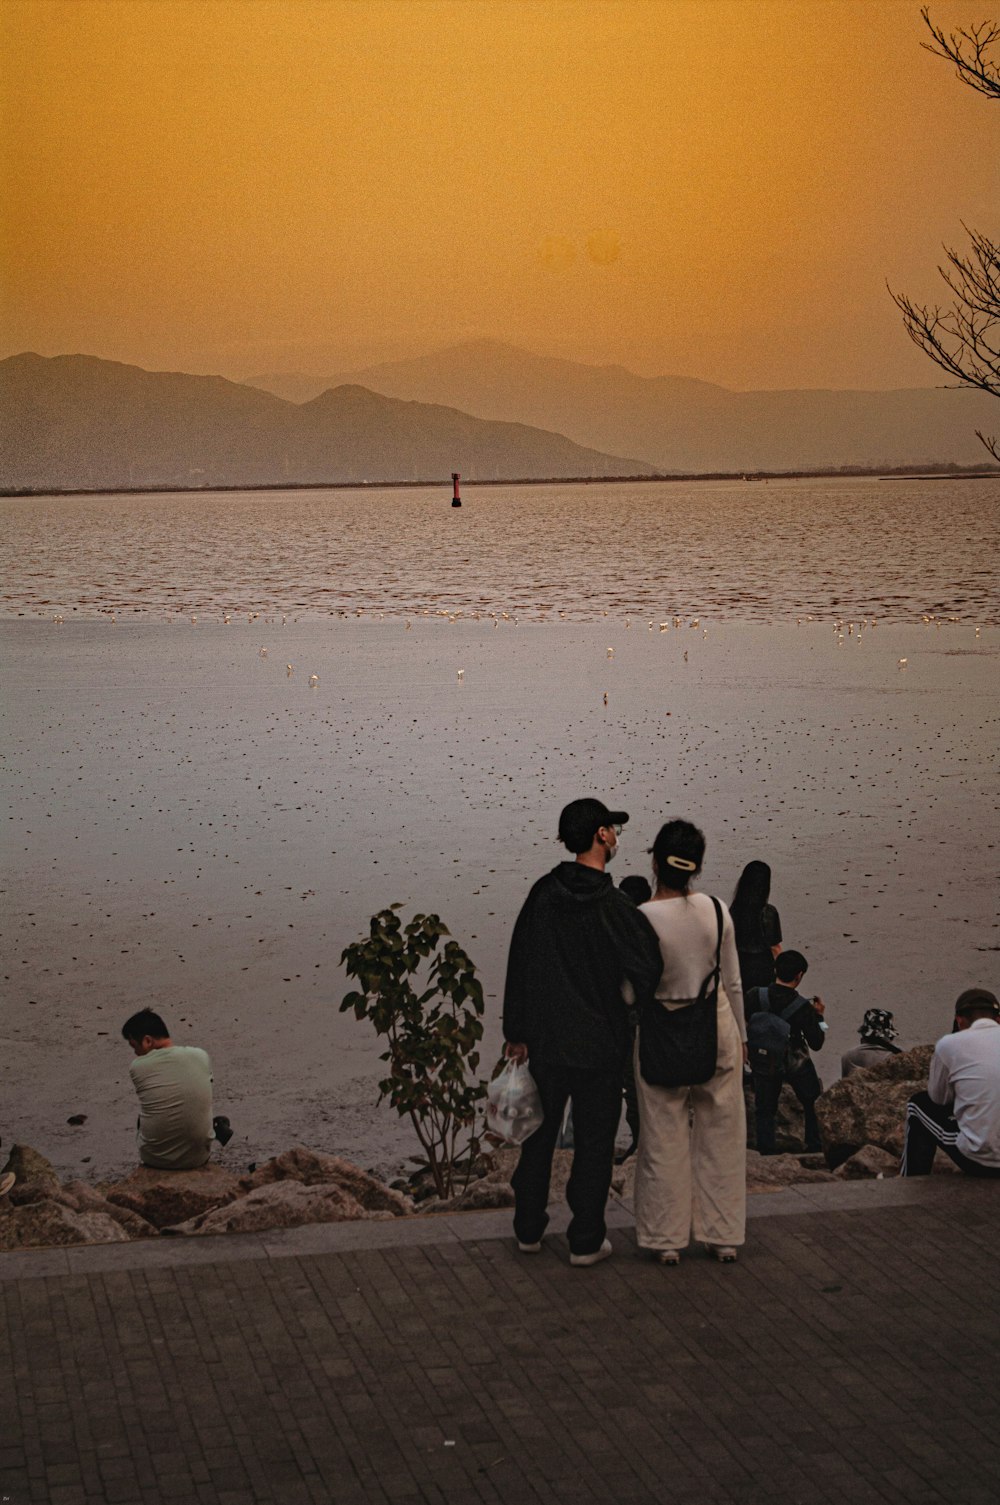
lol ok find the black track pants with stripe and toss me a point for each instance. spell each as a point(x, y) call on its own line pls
point(930, 1127)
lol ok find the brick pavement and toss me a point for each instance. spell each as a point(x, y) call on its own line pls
point(849, 1356)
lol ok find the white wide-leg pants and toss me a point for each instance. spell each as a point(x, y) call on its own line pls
point(690, 1175)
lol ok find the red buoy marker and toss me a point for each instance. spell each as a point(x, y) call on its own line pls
point(456, 495)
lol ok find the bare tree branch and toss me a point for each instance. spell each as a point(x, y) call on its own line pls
point(964, 338)
point(969, 51)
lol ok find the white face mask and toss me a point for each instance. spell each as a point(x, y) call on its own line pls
point(612, 852)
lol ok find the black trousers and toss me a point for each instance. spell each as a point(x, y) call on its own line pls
point(806, 1085)
point(930, 1127)
point(597, 1106)
point(631, 1091)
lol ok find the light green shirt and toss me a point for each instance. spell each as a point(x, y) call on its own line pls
point(175, 1106)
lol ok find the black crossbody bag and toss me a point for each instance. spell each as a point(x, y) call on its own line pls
point(680, 1047)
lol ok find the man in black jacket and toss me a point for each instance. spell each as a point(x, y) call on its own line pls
point(575, 942)
point(808, 1032)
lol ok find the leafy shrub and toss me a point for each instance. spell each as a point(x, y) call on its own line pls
point(432, 1034)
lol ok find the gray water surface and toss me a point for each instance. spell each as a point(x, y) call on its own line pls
point(747, 551)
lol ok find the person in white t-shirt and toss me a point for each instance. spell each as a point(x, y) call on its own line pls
point(960, 1111)
point(174, 1086)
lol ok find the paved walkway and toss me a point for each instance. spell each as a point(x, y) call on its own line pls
point(850, 1356)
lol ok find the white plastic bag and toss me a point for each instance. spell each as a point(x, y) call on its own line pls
point(513, 1104)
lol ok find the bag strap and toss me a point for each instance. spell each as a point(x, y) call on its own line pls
point(714, 974)
point(764, 1004)
point(758, 1000)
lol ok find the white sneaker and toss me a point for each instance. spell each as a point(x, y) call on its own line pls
point(530, 1248)
point(604, 1252)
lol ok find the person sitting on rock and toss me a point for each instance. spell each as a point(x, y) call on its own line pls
point(174, 1085)
point(807, 1031)
point(877, 1032)
point(960, 1111)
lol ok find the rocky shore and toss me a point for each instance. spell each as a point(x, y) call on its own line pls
point(861, 1120)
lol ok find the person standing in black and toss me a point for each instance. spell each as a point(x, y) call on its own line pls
point(807, 1032)
point(576, 941)
point(757, 926)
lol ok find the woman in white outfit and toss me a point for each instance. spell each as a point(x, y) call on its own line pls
point(690, 1173)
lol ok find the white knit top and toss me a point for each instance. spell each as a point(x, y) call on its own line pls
point(687, 933)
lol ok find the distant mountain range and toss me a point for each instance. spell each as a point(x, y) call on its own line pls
point(75, 421)
point(678, 424)
point(489, 410)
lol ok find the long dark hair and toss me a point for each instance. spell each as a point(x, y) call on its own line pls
point(752, 893)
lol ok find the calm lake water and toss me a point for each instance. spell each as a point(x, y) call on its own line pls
point(729, 551)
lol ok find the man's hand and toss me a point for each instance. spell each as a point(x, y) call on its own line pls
point(518, 1053)
point(819, 1005)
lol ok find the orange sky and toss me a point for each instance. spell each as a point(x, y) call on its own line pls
point(713, 188)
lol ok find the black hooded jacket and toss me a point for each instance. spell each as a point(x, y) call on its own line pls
point(575, 942)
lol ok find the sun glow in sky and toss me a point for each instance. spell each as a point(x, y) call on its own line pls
point(712, 188)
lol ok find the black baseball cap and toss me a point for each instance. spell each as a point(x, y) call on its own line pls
point(975, 999)
point(581, 820)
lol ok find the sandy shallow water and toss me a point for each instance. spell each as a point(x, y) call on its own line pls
point(195, 828)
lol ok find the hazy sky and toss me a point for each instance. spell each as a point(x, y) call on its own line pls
point(712, 188)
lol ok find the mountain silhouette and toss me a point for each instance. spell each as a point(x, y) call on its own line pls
point(80, 422)
point(680, 424)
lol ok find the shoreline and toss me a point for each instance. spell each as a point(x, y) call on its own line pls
point(845, 473)
point(861, 1121)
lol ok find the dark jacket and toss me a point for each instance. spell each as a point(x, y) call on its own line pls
point(575, 942)
point(758, 933)
point(805, 1024)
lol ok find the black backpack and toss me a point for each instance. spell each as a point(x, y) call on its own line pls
point(769, 1035)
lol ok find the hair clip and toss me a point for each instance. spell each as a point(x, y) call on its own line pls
point(682, 863)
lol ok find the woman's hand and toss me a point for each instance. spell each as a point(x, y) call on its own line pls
point(517, 1053)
